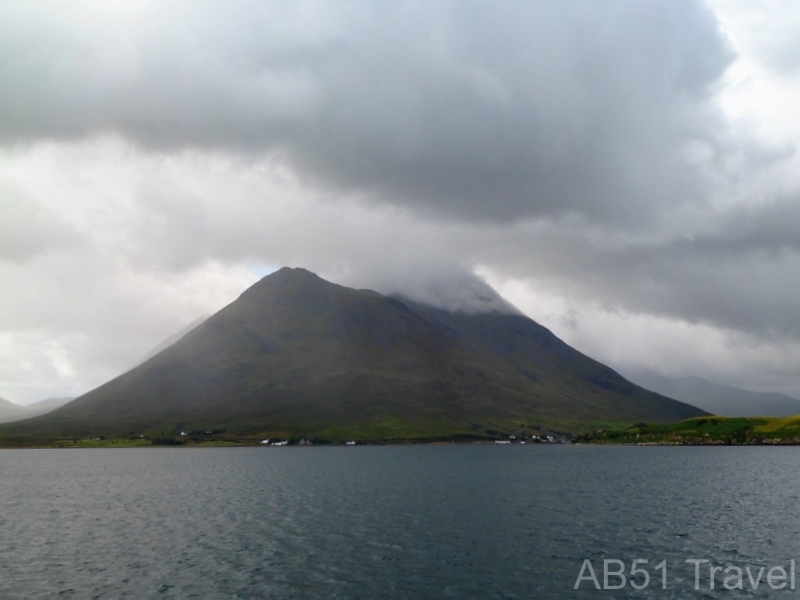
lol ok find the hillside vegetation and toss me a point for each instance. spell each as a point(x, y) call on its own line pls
point(704, 431)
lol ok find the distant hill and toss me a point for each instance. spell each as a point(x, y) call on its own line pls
point(45, 406)
point(296, 355)
point(10, 411)
point(719, 399)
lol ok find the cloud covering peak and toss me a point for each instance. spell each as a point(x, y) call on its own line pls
point(454, 288)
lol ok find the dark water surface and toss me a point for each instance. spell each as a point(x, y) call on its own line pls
point(392, 522)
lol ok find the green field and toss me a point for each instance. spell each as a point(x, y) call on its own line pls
point(704, 431)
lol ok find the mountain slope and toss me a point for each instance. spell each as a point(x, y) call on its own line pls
point(720, 399)
point(297, 355)
point(594, 389)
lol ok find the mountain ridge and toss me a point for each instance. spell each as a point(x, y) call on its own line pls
point(717, 398)
point(10, 411)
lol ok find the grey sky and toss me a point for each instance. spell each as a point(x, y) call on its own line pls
point(615, 167)
point(471, 110)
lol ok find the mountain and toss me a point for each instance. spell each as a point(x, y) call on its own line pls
point(719, 399)
point(296, 355)
point(11, 412)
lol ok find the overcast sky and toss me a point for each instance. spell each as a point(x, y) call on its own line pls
point(625, 172)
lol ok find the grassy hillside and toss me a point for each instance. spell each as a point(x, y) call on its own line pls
point(705, 430)
point(592, 391)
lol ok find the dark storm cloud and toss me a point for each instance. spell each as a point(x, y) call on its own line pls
point(740, 273)
point(472, 110)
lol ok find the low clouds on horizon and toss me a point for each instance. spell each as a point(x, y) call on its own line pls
point(603, 161)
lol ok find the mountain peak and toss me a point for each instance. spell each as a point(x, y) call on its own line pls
point(288, 278)
point(292, 271)
point(285, 274)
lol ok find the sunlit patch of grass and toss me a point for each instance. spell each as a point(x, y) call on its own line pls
point(102, 443)
point(704, 430)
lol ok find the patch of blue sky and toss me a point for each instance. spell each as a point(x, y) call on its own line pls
point(260, 269)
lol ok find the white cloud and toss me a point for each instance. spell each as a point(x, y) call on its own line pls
point(673, 347)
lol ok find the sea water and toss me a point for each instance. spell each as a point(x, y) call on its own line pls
point(426, 521)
